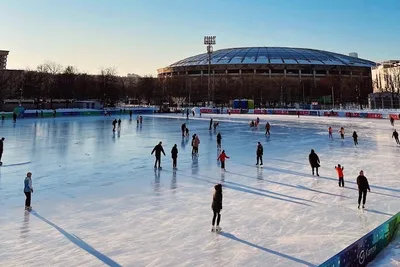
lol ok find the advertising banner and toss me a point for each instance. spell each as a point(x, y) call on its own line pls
point(364, 250)
point(374, 116)
point(352, 114)
point(206, 110)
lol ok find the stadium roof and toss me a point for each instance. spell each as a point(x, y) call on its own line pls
point(274, 55)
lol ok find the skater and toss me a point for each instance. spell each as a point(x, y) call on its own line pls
point(341, 131)
point(195, 144)
point(211, 123)
point(1, 149)
point(137, 120)
point(2, 116)
point(174, 155)
point(54, 113)
point(215, 125)
point(114, 123)
point(219, 138)
point(193, 113)
point(119, 124)
point(28, 190)
point(363, 186)
point(187, 114)
point(314, 161)
point(252, 124)
point(183, 129)
point(37, 114)
point(330, 133)
point(391, 120)
point(355, 137)
point(395, 135)
point(187, 132)
point(140, 119)
point(158, 149)
point(259, 153)
point(267, 128)
point(130, 114)
point(41, 113)
point(339, 169)
point(217, 207)
point(298, 114)
point(14, 117)
point(222, 158)
point(257, 121)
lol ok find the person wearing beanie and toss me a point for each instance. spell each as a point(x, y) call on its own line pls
point(217, 207)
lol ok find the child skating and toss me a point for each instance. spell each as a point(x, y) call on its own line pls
point(330, 133)
point(341, 132)
point(28, 190)
point(339, 169)
point(267, 128)
point(216, 207)
point(222, 157)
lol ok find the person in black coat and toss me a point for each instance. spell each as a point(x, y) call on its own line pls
point(174, 155)
point(114, 123)
point(211, 123)
point(217, 207)
point(363, 186)
point(259, 153)
point(183, 129)
point(14, 117)
point(158, 149)
point(355, 137)
point(395, 135)
point(314, 161)
point(1, 149)
point(219, 138)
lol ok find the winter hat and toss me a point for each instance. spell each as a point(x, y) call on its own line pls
point(312, 151)
point(218, 187)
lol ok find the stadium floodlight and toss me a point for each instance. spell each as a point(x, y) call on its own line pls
point(210, 41)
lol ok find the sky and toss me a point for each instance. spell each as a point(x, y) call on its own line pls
point(140, 36)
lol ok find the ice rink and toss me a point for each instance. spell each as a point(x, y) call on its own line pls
point(98, 201)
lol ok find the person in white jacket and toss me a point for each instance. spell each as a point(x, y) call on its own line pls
point(28, 190)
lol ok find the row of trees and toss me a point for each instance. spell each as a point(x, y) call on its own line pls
point(52, 81)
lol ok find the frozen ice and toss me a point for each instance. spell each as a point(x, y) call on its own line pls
point(98, 201)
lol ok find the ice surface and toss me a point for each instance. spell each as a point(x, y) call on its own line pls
point(98, 200)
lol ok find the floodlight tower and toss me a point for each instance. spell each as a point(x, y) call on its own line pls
point(209, 41)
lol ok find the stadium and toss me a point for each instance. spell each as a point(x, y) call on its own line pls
point(272, 74)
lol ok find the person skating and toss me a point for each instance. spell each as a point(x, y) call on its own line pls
point(391, 120)
point(119, 124)
point(341, 131)
point(14, 116)
point(219, 138)
point(330, 133)
point(114, 123)
point(395, 135)
point(174, 155)
point(1, 149)
point(355, 138)
point(314, 161)
point(28, 190)
point(130, 114)
point(137, 120)
point(339, 169)
point(222, 158)
point(158, 149)
point(2, 116)
point(183, 129)
point(211, 123)
point(216, 207)
point(41, 113)
point(187, 114)
point(54, 113)
point(363, 186)
point(193, 113)
point(259, 153)
point(267, 128)
point(195, 144)
point(257, 121)
point(215, 125)
point(140, 119)
point(187, 132)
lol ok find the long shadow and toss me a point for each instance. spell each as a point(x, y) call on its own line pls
point(245, 190)
point(270, 192)
point(293, 186)
point(322, 177)
point(80, 243)
point(379, 212)
point(373, 192)
point(16, 164)
point(233, 237)
point(287, 161)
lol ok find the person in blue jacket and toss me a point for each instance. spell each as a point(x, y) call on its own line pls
point(28, 190)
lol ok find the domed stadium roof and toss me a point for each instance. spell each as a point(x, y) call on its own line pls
point(274, 55)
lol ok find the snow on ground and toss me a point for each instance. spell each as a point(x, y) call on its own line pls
point(98, 201)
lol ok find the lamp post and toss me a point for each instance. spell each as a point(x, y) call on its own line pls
point(209, 41)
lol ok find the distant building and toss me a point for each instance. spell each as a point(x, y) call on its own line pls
point(386, 77)
point(353, 54)
point(3, 59)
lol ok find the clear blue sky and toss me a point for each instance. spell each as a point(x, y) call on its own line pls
point(139, 36)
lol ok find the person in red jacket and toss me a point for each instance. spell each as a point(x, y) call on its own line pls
point(339, 170)
point(222, 158)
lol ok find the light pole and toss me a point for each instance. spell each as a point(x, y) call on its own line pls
point(209, 41)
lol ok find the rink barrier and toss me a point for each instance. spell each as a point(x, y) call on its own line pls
point(326, 113)
point(364, 250)
point(73, 113)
